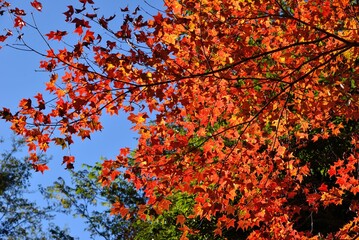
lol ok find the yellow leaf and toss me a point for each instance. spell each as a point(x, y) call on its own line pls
point(110, 66)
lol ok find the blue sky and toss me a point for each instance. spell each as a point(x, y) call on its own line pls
point(20, 79)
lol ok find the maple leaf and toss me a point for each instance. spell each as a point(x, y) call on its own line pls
point(56, 35)
point(239, 98)
point(68, 160)
point(80, 22)
point(313, 198)
point(25, 104)
point(19, 22)
point(119, 208)
point(162, 205)
point(37, 5)
point(84, 134)
point(89, 36)
point(91, 15)
point(17, 11)
point(69, 13)
point(124, 151)
point(6, 114)
point(332, 171)
point(87, 1)
point(323, 187)
point(138, 118)
point(60, 141)
point(180, 219)
point(79, 30)
point(114, 175)
point(40, 168)
point(2, 38)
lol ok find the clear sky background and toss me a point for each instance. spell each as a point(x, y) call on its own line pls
point(20, 79)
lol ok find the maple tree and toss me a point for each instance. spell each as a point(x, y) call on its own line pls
point(224, 96)
point(89, 200)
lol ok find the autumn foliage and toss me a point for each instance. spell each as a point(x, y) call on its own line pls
point(226, 97)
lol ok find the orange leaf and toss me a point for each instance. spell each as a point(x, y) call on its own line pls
point(180, 219)
point(56, 35)
point(41, 168)
point(323, 188)
point(68, 160)
point(79, 30)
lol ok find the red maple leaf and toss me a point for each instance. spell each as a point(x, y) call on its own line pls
point(56, 35)
point(40, 167)
point(37, 5)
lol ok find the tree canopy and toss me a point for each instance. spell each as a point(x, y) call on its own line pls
point(21, 218)
point(232, 101)
point(86, 198)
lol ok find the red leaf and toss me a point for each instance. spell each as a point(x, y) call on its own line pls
point(84, 134)
point(69, 13)
point(79, 30)
point(37, 5)
point(91, 15)
point(89, 37)
point(180, 219)
point(323, 188)
point(18, 22)
point(18, 11)
point(81, 22)
point(119, 208)
point(41, 168)
point(86, 1)
point(124, 9)
point(103, 23)
point(114, 175)
point(332, 171)
point(313, 198)
point(6, 114)
point(56, 35)
point(25, 104)
point(68, 160)
point(110, 18)
point(163, 205)
point(124, 151)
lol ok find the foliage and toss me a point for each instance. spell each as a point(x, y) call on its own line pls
point(248, 85)
point(178, 221)
point(19, 217)
point(86, 198)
